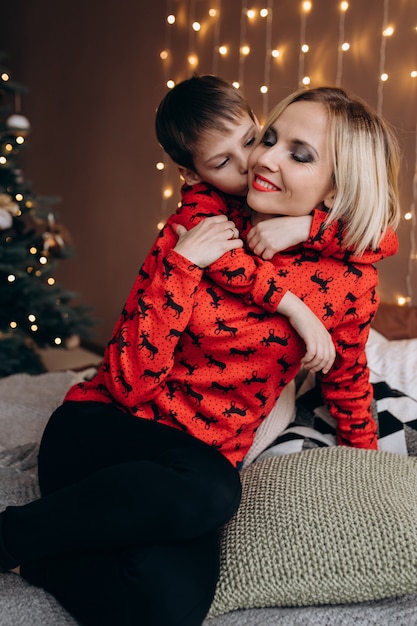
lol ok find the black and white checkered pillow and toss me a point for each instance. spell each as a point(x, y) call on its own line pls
point(313, 427)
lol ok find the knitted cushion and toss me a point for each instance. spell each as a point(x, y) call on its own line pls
point(325, 526)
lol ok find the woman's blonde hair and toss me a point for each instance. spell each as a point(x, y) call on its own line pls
point(366, 162)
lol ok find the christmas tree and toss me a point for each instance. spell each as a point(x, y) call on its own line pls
point(35, 311)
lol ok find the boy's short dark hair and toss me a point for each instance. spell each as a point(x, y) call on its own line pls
point(195, 106)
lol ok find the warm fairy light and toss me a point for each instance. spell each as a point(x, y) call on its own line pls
point(168, 192)
point(344, 6)
point(34, 328)
point(263, 89)
point(160, 225)
point(5, 77)
point(51, 281)
point(236, 84)
point(402, 300)
point(32, 318)
point(192, 60)
point(384, 77)
point(171, 19)
point(223, 50)
point(170, 84)
point(306, 80)
point(33, 250)
point(408, 216)
point(388, 31)
point(307, 6)
point(57, 341)
point(196, 26)
point(250, 14)
point(212, 12)
point(245, 50)
point(20, 139)
point(8, 147)
point(345, 46)
point(275, 53)
point(3, 160)
point(19, 197)
point(28, 204)
point(264, 12)
point(413, 74)
point(305, 48)
point(43, 260)
point(13, 325)
point(163, 54)
point(11, 278)
point(160, 166)
point(38, 273)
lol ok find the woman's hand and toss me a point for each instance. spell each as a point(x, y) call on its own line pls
point(320, 351)
point(278, 233)
point(208, 241)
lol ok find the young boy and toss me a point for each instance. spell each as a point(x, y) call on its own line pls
point(208, 130)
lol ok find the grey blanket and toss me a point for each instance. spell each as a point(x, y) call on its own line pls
point(25, 405)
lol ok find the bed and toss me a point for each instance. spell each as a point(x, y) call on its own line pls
point(325, 535)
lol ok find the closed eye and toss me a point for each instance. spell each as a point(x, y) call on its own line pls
point(269, 138)
point(302, 156)
point(250, 142)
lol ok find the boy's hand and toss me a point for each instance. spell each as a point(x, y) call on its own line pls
point(208, 241)
point(278, 233)
point(320, 351)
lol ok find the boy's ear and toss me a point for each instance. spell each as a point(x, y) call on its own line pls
point(329, 199)
point(190, 176)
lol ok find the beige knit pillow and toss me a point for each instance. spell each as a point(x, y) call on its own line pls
point(325, 526)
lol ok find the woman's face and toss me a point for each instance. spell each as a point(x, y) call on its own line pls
point(290, 171)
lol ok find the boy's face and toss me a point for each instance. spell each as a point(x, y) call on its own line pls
point(221, 158)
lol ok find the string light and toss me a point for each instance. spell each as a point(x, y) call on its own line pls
point(342, 46)
point(306, 8)
point(382, 50)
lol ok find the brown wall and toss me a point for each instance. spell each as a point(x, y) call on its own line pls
point(95, 79)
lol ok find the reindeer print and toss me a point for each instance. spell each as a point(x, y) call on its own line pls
point(193, 394)
point(168, 268)
point(171, 304)
point(262, 397)
point(245, 353)
point(156, 376)
point(232, 274)
point(352, 269)
point(322, 282)
point(256, 379)
point(211, 361)
point(221, 327)
point(273, 338)
point(152, 350)
point(273, 288)
point(234, 410)
point(127, 387)
point(207, 421)
point(190, 368)
point(216, 299)
point(328, 311)
point(223, 388)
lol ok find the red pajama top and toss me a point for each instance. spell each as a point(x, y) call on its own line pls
point(191, 355)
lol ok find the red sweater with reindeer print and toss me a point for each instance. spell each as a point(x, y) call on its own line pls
point(190, 354)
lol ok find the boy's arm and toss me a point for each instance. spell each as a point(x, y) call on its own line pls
point(237, 272)
point(280, 233)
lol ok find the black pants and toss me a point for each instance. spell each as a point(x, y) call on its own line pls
point(126, 530)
